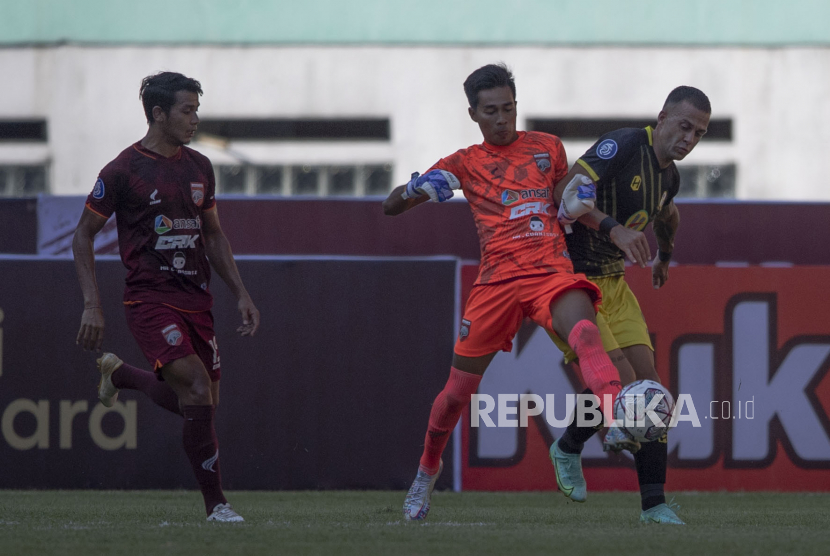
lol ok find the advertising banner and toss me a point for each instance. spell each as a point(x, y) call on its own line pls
point(334, 391)
point(747, 348)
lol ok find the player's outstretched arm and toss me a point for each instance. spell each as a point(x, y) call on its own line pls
point(91, 334)
point(665, 227)
point(221, 259)
point(395, 204)
point(436, 185)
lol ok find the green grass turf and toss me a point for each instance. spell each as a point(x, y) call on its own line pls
point(367, 523)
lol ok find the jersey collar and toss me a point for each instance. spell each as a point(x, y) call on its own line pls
point(502, 148)
point(154, 155)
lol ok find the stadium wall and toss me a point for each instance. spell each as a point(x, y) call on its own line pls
point(87, 95)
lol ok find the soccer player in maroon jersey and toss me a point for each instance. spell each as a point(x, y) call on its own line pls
point(163, 196)
point(525, 270)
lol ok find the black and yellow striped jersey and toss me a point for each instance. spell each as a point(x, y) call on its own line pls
point(630, 187)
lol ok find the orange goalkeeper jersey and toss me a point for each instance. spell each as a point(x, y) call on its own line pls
point(510, 191)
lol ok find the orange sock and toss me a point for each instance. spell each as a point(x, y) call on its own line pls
point(445, 412)
point(598, 372)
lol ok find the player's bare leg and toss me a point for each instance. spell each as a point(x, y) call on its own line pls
point(465, 376)
point(191, 383)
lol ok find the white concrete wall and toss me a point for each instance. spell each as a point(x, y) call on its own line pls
point(779, 100)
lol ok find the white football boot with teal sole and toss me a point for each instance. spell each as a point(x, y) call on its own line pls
point(662, 514)
point(569, 475)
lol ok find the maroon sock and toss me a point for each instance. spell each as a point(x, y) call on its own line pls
point(202, 449)
point(133, 378)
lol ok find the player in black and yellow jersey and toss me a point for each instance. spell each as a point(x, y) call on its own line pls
point(636, 181)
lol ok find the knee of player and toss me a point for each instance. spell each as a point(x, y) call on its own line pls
point(586, 334)
point(200, 393)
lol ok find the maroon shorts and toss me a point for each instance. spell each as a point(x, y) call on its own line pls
point(165, 334)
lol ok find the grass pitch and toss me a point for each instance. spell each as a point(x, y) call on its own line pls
point(367, 523)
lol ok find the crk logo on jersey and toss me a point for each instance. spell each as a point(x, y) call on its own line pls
point(177, 242)
point(542, 161)
point(197, 193)
point(172, 335)
point(526, 209)
point(509, 197)
point(163, 224)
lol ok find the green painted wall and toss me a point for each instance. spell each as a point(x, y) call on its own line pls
point(450, 22)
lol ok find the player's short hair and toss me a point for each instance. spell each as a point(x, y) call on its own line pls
point(488, 77)
point(160, 90)
point(693, 96)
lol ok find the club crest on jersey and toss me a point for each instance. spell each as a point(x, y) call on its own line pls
point(172, 335)
point(197, 193)
point(508, 197)
point(98, 190)
point(607, 149)
point(635, 183)
point(637, 221)
point(542, 161)
point(465, 329)
point(163, 224)
point(153, 200)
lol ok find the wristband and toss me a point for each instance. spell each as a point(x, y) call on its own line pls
point(607, 224)
point(664, 257)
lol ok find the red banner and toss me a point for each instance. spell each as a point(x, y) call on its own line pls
point(749, 350)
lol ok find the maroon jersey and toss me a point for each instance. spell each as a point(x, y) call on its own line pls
point(158, 203)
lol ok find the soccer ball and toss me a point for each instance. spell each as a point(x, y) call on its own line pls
point(630, 410)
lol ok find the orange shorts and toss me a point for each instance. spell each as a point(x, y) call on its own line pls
point(494, 312)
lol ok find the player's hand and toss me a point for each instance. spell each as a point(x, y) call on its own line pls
point(578, 198)
point(438, 185)
point(250, 316)
point(659, 273)
point(91, 335)
point(633, 244)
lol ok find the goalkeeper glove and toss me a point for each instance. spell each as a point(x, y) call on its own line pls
point(437, 184)
point(578, 199)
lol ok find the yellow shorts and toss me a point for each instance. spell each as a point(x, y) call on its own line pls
point(619, 319)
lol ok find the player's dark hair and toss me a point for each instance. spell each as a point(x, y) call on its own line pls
point(160, 90)
point(488, 77)
point(693, 96)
